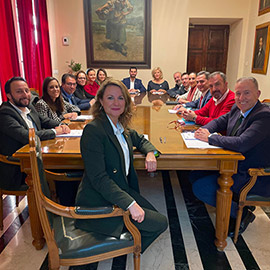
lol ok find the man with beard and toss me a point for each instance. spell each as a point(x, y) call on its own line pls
point(179, 88)
point(132, 83)
point(221, 102)
point(17, 115)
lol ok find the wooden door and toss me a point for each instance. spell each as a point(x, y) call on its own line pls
point(208, 48)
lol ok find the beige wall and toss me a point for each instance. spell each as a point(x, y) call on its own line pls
point(170, 20)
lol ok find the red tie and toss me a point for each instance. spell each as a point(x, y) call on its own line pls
point(200, 103)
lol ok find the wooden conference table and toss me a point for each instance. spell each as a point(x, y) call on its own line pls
point(151, 118)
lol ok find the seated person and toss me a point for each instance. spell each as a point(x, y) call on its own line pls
point(91, 87)
point(221, 102)
point(193, 92)
point(81, 82)
point(52, 103)
point(101, 76)
point(203, 86)
point(158, 84)
point(68, 88)
point(132, 83)
point(247, 133)
point(179, 88)
point(17, 115)
point(110, 178)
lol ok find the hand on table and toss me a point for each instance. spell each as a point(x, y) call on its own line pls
point(189, 115)
point(63, 129)
point(202, 134)
point(150, 162)
point(72, 115)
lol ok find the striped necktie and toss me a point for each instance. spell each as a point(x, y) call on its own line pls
point(237, 125)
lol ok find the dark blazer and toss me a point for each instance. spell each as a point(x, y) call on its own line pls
point(252, 140)
point(177, 90)
point(83, 104)
point(137, 84)
point(14, 135)
point(105, 181)
point(196, 103)
point(81, 93)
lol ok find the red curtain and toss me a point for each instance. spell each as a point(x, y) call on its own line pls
point(43, 37)
point(37, 59)
point(9, 64)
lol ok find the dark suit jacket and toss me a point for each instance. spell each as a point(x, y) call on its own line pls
point(83, 104)
point(105, 181)
point(14, 135)
point(81, 93)
point(177, 90)
point(137, 84)
point(196, 103)
point(252, 140)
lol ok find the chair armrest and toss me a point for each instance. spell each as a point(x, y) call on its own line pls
point(93, 211)
point(87, 213)
point(9, 160)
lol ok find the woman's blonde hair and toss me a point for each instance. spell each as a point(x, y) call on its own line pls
point(97, 108)
point(154, 70)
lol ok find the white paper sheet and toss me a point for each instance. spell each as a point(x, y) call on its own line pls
point(192, 142)
point(73, 133)
point(85, 117)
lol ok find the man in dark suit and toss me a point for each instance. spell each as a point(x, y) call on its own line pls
point(16, 117)
point(132, 83)
point(248, 133)
point(203, 86)
point(179, 88)
point(68, 88)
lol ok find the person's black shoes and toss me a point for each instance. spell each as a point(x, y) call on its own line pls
point(248, 218)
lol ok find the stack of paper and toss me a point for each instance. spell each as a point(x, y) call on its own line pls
point(192, 142)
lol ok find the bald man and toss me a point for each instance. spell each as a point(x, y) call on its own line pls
point(249, 136)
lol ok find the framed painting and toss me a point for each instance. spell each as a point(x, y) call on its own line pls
point(261, 48)
point(264, 6)
point(118, 33)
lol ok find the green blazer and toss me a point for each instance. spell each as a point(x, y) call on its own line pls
point(105, 181)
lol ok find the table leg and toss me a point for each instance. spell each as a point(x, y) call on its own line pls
point(36, 228)
point(224, 200)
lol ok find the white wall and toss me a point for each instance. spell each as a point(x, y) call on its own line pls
point(170, 21)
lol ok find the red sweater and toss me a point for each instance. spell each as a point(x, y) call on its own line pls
point(91, 88)
point(210, 111)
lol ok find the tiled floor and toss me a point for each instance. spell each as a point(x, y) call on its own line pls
point(187, 244)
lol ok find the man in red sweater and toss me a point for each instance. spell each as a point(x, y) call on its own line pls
point(220, 103)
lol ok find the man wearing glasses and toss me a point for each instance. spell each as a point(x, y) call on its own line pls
point(68, 88)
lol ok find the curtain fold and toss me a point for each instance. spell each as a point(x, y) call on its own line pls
point(9, 63)
point(37, 58)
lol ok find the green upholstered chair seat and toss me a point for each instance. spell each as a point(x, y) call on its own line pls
point(74, 243)
point(257, 198)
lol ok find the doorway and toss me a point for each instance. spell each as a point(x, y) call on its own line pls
point(208, 48)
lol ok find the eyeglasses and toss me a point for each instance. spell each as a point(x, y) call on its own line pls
point(71, 84)
point(175, 125)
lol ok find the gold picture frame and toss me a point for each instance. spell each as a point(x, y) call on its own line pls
point(261, 48)
point(264, 6)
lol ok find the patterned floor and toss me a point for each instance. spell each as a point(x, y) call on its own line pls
point(187, 244)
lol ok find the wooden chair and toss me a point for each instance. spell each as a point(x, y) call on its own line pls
point(250, 200)
point(68, 245)
point(20, 192)
point(266, 101)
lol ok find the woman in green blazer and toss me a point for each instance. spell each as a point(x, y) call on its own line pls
point(110, 178)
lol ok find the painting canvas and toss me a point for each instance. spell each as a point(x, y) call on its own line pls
point(264, 6)
point(118, 33)
point(261, 49)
